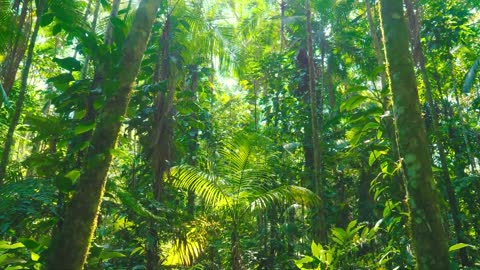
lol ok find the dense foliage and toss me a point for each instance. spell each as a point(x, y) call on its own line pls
point(216, 134)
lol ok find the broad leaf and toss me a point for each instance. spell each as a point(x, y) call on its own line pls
point(470, 77)
point(460, 246)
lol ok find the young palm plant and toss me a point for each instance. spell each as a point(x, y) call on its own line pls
point(238, 184)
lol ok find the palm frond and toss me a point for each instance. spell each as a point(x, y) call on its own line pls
point(7, 32)
point(186, 249)
point(201, 183)
point(289, 194)
point(68, 14)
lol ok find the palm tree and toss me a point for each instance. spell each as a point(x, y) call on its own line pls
point(238, 184)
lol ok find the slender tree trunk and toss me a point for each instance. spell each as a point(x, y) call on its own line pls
point(235, 249)
point(84, 72)
point(429, 240)
point(13, 59)
point(319, 224)
point(413, 19)
point(193, 142)
point(473, 164)
point(366, 203)
point(21, 98)
point(70, 247)
point(283, 39)
point(109, 32)
point(161, 134)
point(98, 78)
point(398, 188)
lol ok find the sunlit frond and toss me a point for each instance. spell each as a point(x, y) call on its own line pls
point(285, 194)
point(201, 183)
point(185, 250)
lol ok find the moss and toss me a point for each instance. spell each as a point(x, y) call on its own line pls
point(428, 237)
point(70, 246)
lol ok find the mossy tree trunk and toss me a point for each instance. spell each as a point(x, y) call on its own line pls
point(70, 246)
point(420, 60)
point(397, 188)
point(429, 239)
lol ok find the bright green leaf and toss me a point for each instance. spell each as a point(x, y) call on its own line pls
point(73, 175)
point(6, 245)
point(34, 256)
point(82, 128)
point(460, 246)
point(105, 255)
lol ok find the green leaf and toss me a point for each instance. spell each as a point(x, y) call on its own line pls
point(64, 184)
point(470, 77)
point(316, 250)
point(302, 261)
point(351, 225)
point(6, 245)
point(47, 19)
point(374, 155)
point(352, 103)
point(82, 128)
point(460, 246)
point(73, 175)
point(30, 243)
point(34, 256)
point(14, 267)
point(339, 236)
point(61, 82)
point(105, 255)
point(370, 125)
point(68, 63)
point(5, 97)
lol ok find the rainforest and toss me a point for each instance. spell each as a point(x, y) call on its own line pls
point(239, 134)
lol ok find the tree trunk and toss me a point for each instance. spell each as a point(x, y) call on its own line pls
point(421, 63)
point(429, 240)
point(235, 249)
point(193, 140)
point(109, 32)
point(21, 98)
point(12, 61)
point(98, 79)
point(283, 39)
point(398, 189)
point(161, 146)
point(70, 247)
point(319, 224)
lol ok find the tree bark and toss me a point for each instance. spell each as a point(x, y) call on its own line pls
point(21, 98)
point(429, 240)
point(319, 224)
point(398, 189)
point(161, 146)
point(12, 61)
point(70, 247)
point(414, 22)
